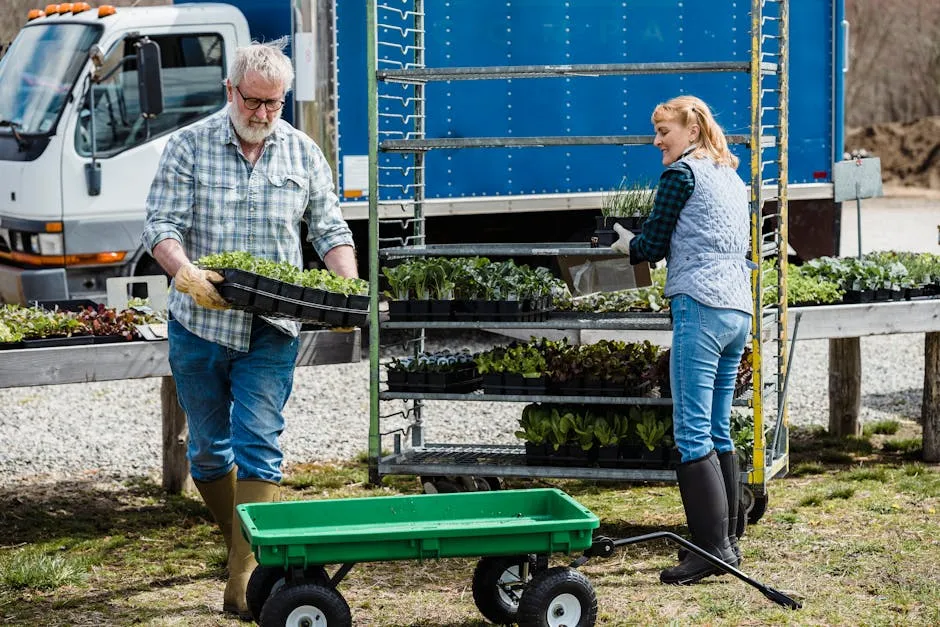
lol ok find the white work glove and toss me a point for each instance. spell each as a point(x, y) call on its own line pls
point(624, 236)
point(198, 283)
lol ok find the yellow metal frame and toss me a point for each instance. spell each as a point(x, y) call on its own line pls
point(761, 472)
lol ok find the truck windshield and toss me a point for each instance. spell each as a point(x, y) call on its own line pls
point(38, 72)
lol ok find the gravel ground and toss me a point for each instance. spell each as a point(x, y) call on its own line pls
point(112, 430)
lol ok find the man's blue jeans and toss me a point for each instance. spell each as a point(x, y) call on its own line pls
point(707, 344)
point(233, 400)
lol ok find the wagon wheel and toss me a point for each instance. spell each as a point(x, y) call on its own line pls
point(306, 605)
point(754, 504)
point(267, 580)
point(498, 585)
point(558, 597)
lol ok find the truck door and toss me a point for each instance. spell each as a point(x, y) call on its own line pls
point(105, 223)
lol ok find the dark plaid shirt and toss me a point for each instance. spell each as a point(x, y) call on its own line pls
point(675, 187)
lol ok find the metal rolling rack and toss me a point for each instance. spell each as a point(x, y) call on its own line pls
point(396, 127)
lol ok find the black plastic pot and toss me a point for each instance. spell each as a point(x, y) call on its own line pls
point(290, 299)
point(398, 310)
point(858, 296)
point(439, 309)
point(398, 381)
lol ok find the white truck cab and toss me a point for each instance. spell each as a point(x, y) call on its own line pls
point(76, 154)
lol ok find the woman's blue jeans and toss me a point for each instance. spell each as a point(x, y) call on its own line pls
point(233, 400)
point(707, 344)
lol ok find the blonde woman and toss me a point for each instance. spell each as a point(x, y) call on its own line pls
point(700, 223)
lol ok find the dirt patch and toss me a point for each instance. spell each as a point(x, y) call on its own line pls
point(909, 151)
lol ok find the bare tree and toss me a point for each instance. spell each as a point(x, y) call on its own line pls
point(894, 70)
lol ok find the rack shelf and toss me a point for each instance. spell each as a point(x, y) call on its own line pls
point(420, 75)
point(405, 78)
point(501, 461)
point(452, 143)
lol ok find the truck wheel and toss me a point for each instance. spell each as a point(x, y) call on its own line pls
point(147, 266)
point(267, 580)
point(498, 585)
point(558, 597)
point(306, 605)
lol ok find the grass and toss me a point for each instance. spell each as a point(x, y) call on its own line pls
point(882, 427)
point(855, 541)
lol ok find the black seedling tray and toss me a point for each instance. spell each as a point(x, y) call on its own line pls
point(256, 294)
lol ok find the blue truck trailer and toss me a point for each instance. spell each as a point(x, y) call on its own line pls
point(63, 232)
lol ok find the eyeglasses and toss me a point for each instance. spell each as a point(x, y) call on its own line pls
point(253, 104)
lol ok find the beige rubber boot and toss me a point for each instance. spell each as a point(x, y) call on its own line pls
point(241, 561)
point(219, 496)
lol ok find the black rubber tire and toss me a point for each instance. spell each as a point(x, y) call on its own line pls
point(759, 508)
point(146, 266)
point(446, 486)
point(498, 586)
point(266, 580)
point(741, 525)
point(298, 604)
point(557, 590)
point(495, 483)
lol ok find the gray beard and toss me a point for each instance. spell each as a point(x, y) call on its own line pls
point(253, 133)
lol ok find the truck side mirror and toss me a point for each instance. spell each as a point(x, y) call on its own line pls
point(149, 78)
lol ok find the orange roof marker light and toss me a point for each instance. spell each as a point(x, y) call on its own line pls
point(35, 14)
point(51, 9)
point(79, 7)
point(105, 10)
point(65, 7)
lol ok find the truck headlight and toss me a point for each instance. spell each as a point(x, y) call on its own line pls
point(49, 244)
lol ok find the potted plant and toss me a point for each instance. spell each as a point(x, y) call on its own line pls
point(535, 427)
point(652, 429)
point(629, 205)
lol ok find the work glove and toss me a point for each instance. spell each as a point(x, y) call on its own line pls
point(198, 284)
point(624, 236)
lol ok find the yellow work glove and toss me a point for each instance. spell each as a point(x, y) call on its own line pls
point(198, 283)
point(624, 236)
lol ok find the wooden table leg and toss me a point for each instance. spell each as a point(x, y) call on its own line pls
point(845, 386)
point(176, 477)
point(930, 409)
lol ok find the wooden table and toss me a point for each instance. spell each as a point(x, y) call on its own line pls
point(139, 360)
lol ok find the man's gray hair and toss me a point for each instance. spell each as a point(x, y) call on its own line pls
point(267, 59)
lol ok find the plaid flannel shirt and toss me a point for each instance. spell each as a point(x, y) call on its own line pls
point(207, 196)
point(675, 188)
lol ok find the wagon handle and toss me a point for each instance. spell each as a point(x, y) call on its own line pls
point(604, 547)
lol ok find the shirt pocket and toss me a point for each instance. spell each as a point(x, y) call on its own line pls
point(287, 197)
point(215, 192)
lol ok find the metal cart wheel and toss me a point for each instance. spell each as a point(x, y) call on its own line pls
point(450, 485)
point(558, 597)
point(306, 605)
point(754, 504)
point(498, 584)
point(267, 580)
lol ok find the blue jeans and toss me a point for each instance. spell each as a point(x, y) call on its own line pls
point(707, 344)
point(233, 400)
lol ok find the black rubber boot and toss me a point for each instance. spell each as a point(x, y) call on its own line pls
point(702, 488)
point(731, 473)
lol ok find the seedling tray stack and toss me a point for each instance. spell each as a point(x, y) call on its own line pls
point(269, 297)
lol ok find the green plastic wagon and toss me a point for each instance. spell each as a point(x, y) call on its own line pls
point(513, 532)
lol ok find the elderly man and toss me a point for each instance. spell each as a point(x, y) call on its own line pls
point(242, 179)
